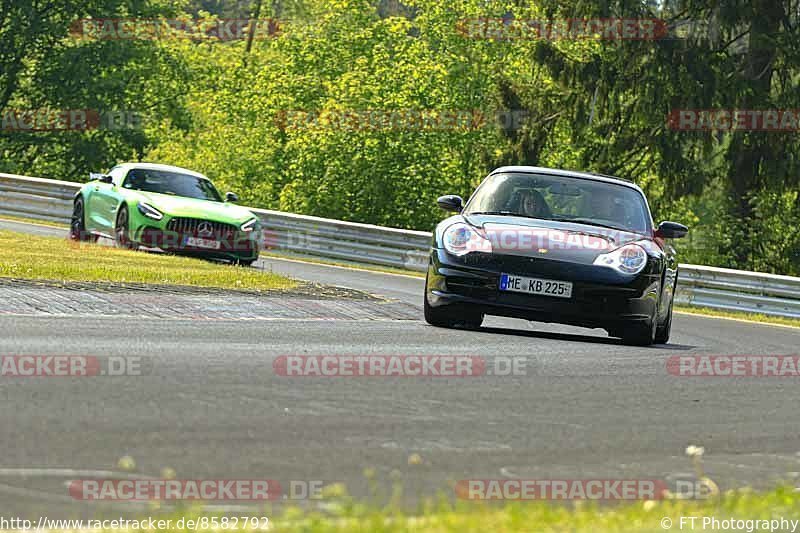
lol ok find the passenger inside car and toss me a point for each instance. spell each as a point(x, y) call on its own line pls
point(531, 203)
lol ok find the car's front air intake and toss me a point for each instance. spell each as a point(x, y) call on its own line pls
point(200, 227)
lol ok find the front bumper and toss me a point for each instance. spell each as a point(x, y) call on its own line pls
point(236, 245)
point(601, 297)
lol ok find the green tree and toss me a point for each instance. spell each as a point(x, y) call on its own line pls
point(45, 66)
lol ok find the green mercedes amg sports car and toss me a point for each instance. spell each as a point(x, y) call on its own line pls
point(171, 208)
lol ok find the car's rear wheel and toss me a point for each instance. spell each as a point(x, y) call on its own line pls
point(244, 262)
point(77, 226)
point(450, 316)
point(122, 236)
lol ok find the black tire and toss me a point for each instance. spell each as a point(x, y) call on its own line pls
point(77, 226)
point(663, 331)
point(244, 262)
point(450, 316)
point(122, 238)
point(640, 334)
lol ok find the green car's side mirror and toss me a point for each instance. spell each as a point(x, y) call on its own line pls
point(103, 178)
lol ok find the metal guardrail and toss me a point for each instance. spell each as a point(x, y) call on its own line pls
point(700, 286)
point(738, 290)
point(37, 197)
point(350, 241)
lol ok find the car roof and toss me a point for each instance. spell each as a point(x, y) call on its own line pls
point(165, 168)
point(567, 173)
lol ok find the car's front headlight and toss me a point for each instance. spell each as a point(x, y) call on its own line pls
point(250, 225)
point(149, 211)
point(628, 259)
point(460, 239)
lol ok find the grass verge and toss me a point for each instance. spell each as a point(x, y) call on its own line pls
point(741, 510)
point(53, 258)
point(542, 516)
point(13, 218)
point(749, 317)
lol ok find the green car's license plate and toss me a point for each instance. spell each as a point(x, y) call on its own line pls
point(198, 242)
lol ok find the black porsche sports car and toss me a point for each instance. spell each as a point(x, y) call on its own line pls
point(554, 246)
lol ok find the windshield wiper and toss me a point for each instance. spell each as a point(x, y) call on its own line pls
point(587, 222)
point(506, 213)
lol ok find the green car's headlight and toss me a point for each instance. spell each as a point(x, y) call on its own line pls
point(149, 211)
point(250, 225)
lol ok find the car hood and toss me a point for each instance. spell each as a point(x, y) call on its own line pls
point(555, 240)
point(180, 206)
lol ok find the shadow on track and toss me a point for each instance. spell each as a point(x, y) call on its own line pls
point(574, 337)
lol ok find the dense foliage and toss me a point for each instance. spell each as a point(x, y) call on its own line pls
point(307, 120)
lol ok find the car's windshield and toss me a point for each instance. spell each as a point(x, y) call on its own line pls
point(562, 198)
point(175, 183)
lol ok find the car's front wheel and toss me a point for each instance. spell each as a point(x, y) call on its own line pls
point(640, 333)
point(662, 334)
point(450, 316)
point(77, 227)
point(122, 237)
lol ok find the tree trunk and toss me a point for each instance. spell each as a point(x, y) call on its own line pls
point(749, 149)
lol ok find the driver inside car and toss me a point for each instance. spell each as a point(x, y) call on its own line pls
point(533, 204)
point(136, 180)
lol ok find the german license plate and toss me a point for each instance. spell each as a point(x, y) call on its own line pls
point(544, 287)
point(198, 242)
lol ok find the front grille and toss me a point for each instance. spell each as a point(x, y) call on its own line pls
point(190, 226)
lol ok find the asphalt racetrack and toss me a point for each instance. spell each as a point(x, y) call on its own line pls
point(211, 405)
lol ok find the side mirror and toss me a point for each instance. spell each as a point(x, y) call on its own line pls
point(97, 176)
point(671, 230)
point(451, 202)
point(231, 197)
